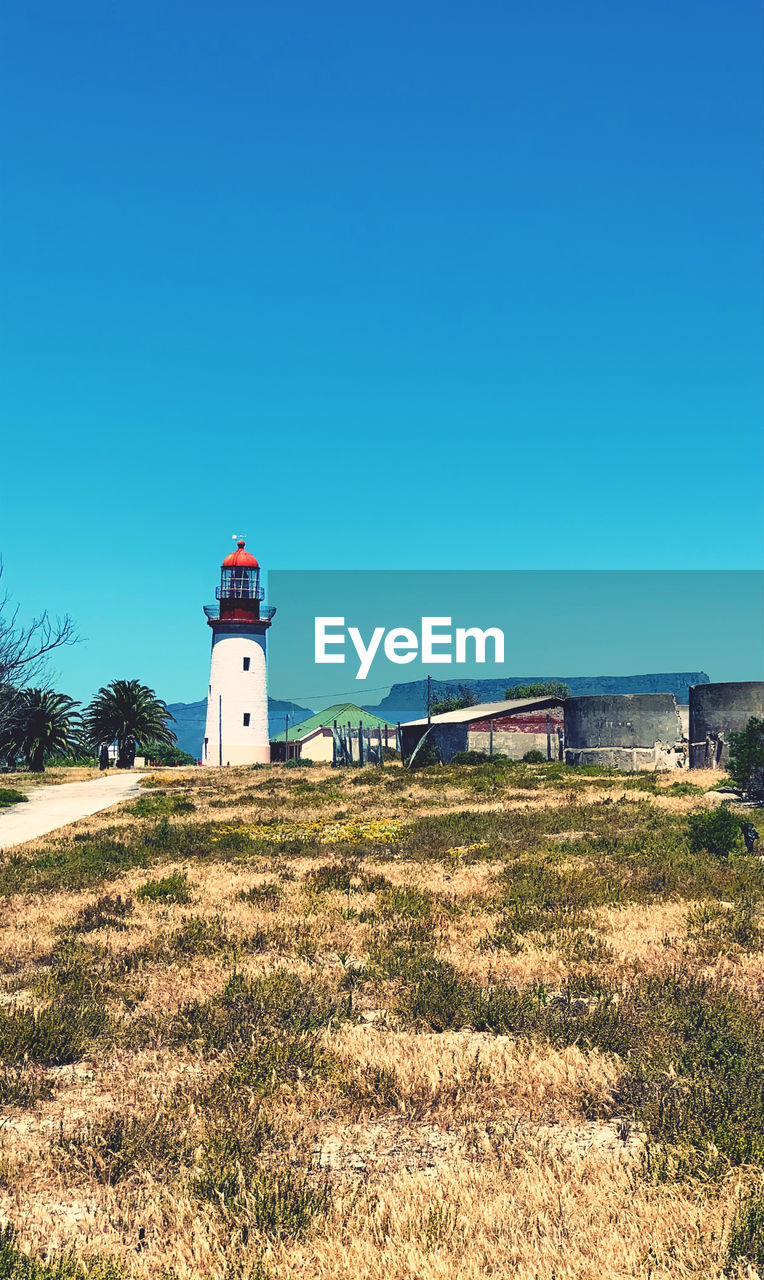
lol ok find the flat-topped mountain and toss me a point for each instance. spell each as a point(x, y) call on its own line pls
point(409, 701)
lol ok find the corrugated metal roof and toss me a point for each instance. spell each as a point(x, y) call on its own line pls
point(485, 710)
point(343, 712)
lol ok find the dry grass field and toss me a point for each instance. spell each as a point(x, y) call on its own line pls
point(478, 1021)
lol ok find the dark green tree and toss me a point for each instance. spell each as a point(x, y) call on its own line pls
point(464, 697)
point(130, 714)
point(746, 762)
point(543, 689)
point(161, 753)
point(43, 724)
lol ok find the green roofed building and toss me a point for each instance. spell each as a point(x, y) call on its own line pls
point(313, 739)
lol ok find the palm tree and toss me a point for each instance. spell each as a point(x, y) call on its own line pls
point(43, 724)
point(131, 714)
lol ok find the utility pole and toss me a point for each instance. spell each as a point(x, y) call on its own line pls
point(286, 737)
point(429, 688)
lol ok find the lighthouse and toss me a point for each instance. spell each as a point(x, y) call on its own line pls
point(236, 731)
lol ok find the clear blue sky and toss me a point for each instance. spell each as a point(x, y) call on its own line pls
point(406, 285)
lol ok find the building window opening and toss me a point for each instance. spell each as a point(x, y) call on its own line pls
point(246, 719)
point(245, 663)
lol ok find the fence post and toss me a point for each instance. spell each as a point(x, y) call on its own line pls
point(360, 742)
point(490, 737)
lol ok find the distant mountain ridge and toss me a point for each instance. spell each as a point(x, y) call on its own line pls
point(409, 701)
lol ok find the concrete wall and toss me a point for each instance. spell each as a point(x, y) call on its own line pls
point(513, 744)
point(446, 738)
point(624, 731)
point(234, 692)
point(716, 710)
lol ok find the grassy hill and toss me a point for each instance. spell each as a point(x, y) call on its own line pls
point(477, 1021)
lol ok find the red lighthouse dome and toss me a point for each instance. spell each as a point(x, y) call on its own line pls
point(240, 559)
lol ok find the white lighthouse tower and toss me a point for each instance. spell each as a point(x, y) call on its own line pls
point(237, 700)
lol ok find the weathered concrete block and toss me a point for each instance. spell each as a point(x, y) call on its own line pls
point(715, 711)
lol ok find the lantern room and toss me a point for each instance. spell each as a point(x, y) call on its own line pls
point(240, 592)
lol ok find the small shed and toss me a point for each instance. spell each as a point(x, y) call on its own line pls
point(313, 739)
point(510, 728)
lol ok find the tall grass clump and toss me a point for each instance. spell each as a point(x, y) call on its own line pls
point(173, 888)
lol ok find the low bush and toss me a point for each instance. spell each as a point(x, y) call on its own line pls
point(9, 796)
point(717, 831)
point(246, 1008)
point(59, 1034)
point(173, 888)
point(159, 802)
point(479, 757)
point(282, 1203)
point(74, 865)
point(534, 757)
point(15, 1264)
point(746, 762)
point(745, 1245)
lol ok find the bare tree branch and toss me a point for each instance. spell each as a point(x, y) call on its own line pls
point(24, 648)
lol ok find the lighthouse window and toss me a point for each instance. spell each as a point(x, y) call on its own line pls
point(245, 663)
point(246, 713)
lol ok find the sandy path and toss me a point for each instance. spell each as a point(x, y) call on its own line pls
point(51, 807)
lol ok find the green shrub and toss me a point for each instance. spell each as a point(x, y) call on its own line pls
point(534, 756)
point(173, 888)
point(463, 697)
point(542, 689)
point(17, 1265)
point(746, 1239)
point(681, 789)
point(165, 754)
point(333, 877)
point(198, 936)
point(716, 830)
point(423, 755)
point(9, 796)
point(282, 1203)
point(245, 1008)
point(746, 762)
point(54, 1036)
point(158, 803)
point(77, 864)
point(479, 757)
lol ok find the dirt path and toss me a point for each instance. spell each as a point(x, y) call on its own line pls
point(51, 807)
